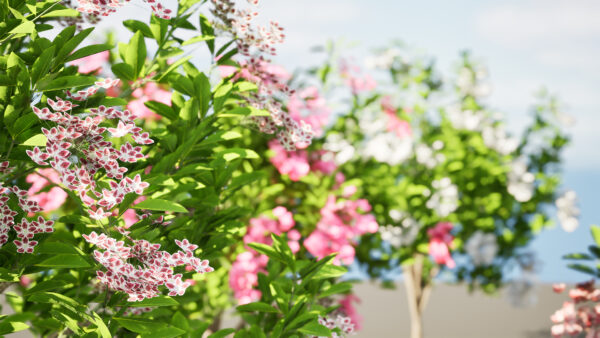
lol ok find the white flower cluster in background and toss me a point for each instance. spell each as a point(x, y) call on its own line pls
point(482, 247)
point(444, 199)
point(520, 181)
point(427, 156)
point(383, 145)
point(568, 212)
point(402, 235)
point(496, 138)
point(344, 151)
point(385, 59)
point(465, 119)
point(473, 82)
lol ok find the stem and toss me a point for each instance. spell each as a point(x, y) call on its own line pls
point(416, 322)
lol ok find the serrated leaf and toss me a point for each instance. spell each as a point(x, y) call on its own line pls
point(160, 205)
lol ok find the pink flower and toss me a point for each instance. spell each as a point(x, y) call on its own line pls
point(48, 200)
point(294, 164)
point(310, 106)
point(340, 223)
point(92, 63)
point(439, 241)
point(559, 287)
point(347, 308)
point(150, 92)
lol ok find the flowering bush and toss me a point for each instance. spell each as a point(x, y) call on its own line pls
point(121, 171)
point(449, 187)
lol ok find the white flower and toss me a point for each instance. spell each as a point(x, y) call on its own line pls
point(402, 235)
point(496, 138)
point(482, 247)
point(388, 148)
point(343, 150)
point(465, 119)
point(520, 181)
point(568, 211)
point(445, 198)
point(426, 156)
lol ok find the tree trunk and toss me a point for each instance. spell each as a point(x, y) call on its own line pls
point(418, 289)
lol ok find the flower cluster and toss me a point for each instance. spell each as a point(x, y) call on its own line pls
point(297, 164)
point(568, 211)
point(402, 235)
point(355, 79)
point(156, 268)
point(520, 181)
point(76, 148)
point(440, 240)
point(98, 8)
point(309, 105)
point(444, 199)
point(341, 221)
point(580, 314)
point(344, 324)
point(430, 156)
point(254, 42)
point(25, 229)
point(243, 276)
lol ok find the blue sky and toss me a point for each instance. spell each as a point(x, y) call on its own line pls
point(526, 44)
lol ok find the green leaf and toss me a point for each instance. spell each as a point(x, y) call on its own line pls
point(7, 327)
point(174, 66)
point(88, 50)
point(136, 53)
point(257, 306)
point(267, 250)
point(140, 325)
point(123, 71)
point(196, 39)
point(7, 276)
point(67, 12)
point(42, 64)
point(207, 30)
point(36, 140)
point(65, 261)
point(315, 329)
point(160, 205)
point(161, 109)
point(235, 153)
point(595, 233)
point(70, 45)
point(26, 27)
point(222, 333)
point(102, 328)
point(335, 289)
point(154, 301)
point(135, 26)
point(330, 271)
point(66, 82)
point(582, 268)
point(54, 248)
point(578, 256)
point(166, 332)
